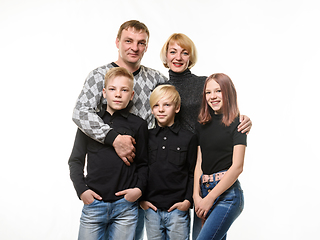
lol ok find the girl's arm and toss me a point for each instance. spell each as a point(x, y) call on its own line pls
point(196, 180)
point(226, 182)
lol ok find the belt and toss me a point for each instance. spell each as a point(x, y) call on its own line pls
point(215, 176)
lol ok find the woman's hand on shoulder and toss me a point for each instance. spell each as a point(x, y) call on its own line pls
point(245, 124)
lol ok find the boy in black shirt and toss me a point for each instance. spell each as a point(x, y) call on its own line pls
point(110, 189)
point(172, 158)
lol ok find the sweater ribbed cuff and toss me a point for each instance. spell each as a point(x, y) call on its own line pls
point(111, 136)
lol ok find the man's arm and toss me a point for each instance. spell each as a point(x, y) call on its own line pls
point(86, 118)
point(84, 113)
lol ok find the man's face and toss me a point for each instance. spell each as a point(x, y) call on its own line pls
point(132, 45)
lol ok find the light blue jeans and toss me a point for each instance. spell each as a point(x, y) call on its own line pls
point(119, 218)
point(140, 225)
point(197, 224)
point(224, 211)
point(164, 225)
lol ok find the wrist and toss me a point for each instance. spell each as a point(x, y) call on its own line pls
point(111, 136)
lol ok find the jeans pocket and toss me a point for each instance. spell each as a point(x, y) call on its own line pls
point(93, 203)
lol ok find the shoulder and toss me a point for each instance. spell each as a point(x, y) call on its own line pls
point(137, 120)
point(198, 78)
point(235, 123)
point(238, 137)
point(187, 135)
point(98, 73)
point(186, 132)
point(153, 73)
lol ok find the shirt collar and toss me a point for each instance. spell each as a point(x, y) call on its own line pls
point(123, 112)
point(174, 128)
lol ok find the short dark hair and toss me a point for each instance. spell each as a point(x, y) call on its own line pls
point(138, 26)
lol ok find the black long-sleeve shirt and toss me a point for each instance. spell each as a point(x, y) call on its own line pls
point(172, 158)
point(106, 172)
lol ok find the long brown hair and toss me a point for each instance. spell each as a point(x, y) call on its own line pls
point(230, 108)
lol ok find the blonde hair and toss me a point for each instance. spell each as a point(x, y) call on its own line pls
point(183, 41)
point(165, 90)
point(119, 72)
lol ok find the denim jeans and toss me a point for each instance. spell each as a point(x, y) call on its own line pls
point(119, 218)
point(223, 213)
point(164, 225)
point(140, 225)
point(197, 224)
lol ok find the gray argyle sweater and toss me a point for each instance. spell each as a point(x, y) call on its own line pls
point(84, 113)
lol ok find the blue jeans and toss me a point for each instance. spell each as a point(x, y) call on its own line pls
point(164, 225)
point(197, 224)
point(223, 213)
point(140, 225)
point(119, 218)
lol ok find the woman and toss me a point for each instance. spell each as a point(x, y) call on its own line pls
point(218, 196)
point(179, 54)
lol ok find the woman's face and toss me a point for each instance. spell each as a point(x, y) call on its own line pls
point(177, 57)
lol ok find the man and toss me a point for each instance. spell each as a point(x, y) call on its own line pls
point(132, 42)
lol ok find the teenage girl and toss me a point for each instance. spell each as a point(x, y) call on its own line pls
point(218, 196)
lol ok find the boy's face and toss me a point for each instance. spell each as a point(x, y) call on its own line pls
point(165, 111)
point(118, 93)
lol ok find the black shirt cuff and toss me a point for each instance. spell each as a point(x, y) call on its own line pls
point(111, 136)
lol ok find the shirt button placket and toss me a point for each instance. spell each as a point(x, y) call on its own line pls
point(164, 142)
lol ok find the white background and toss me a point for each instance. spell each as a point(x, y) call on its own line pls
point(270, 49)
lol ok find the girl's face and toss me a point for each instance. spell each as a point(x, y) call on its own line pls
point(177, 57)
point(214, 96)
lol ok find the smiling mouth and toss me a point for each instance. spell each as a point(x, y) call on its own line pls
point(177, 64)
point(215, 103)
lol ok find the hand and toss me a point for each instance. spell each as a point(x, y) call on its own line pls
point(182, 206)
point(88, 197)
point(146, 205)
point(123, 145)
point(245, 124)
point(130, 194)
point(203, 207)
